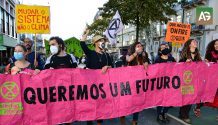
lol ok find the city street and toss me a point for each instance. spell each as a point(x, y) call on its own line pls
point(148, 117)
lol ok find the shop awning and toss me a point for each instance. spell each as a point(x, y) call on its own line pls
point(2, 48)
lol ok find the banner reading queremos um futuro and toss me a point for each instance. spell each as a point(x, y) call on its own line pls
point(66, 95)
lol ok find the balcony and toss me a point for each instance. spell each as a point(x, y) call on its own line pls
point(200, 2)
point(197, 29)
point(188, 4)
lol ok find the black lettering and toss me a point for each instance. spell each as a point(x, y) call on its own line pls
point(32, 99)
point(152, 83)
point(178, 82)
point(39, 94)
point(115, 88)
point(166, 82)
point(103, 95)
point(82, 92)
point(52, 94)
point(145, 89)
point(138, 86)
point(96, 95)
point(61, 93)
point(71, 92)
point(159, 83)
point(125, 89)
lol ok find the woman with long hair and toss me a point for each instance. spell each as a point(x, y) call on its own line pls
point(190, 53)
point(21, 63)
point(136, 56)
point(210, 56)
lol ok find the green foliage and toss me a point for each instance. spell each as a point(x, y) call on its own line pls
point(136, 12)
point(98, 26)
point(72, 46)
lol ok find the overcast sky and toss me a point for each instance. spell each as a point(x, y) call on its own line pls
point(69, 17)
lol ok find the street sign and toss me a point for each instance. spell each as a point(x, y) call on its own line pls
point(204, 15)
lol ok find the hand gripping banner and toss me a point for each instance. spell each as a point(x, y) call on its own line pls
point(67, 95)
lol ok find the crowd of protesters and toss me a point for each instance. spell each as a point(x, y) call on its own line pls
point(24, 58)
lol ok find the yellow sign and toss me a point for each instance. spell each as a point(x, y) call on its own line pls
point(176, 44)
point(32, 19)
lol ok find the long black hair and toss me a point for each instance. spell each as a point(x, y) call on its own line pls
point(186, 52)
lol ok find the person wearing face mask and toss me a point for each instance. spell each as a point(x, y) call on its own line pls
point(96, 59)
point(210, 56)
point(190, 53)
point(20, 53)
point(136, 56)
point(163, 57)
point(167, 46)
point(59, 58)
point(39, 63)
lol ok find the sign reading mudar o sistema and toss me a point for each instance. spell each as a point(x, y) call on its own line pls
point(32, 19)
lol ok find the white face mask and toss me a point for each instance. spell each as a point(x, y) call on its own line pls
point(54, 49)
point(102, 45)
point(83, 60)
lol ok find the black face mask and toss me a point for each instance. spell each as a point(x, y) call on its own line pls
point(216, 51)
point(165, 51)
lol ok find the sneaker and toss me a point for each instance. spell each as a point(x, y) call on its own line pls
point(165, 118)
point(160, 118)
point(197, 112)
point(134, 123)
point(187, 120)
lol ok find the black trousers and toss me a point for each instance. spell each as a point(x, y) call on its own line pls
point(184, 111)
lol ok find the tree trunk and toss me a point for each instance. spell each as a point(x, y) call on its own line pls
point(137, 28)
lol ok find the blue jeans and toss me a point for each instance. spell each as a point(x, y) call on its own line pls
point(135, 116)
point(162, 110)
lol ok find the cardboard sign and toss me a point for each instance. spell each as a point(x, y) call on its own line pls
point(176, 45)
point(178, 32)
point(32, 19)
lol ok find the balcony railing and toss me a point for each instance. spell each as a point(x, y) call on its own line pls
point(197, 27)
point(188, 4)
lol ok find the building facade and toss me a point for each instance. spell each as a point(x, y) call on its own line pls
point(8, 36)
point(186, 13)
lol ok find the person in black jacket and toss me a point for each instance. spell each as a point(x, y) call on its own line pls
point(96, 59)
point(190, 53)
point(59, 58)
point(163, 57)
point(136, 56)
point(212, 51)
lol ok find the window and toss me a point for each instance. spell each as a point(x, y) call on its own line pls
point(188, 17)
point(179, 18)
point(7, 29)
point(2, 21)
point(7, 6)
point(2, 3)
point(11, 11)
point(11, 22)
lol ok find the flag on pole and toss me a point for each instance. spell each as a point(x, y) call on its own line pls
point(114, 27)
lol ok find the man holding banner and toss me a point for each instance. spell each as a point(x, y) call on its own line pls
point(97, 59)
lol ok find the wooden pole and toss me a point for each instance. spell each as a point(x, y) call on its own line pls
point(35, 61)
